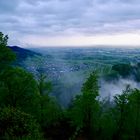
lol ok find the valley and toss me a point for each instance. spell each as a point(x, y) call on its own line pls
point(68, 68)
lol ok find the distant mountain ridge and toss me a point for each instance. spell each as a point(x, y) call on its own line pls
point(22, 53)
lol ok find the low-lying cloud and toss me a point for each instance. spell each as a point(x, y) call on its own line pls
point(112, 88)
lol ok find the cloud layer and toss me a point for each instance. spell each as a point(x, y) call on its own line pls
point(51, 18)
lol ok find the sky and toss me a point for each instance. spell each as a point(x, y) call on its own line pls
point(41, 23)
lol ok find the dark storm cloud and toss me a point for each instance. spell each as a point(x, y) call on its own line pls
point(64, 17)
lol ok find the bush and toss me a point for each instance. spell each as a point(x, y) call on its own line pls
point(15, 124)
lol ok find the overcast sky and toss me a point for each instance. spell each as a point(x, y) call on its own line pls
point(70, 22)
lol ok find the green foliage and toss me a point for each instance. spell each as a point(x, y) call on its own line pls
point(18, 89)
point(134, 114)
point(15, 124)
point(50, 111)
point(113, 75)
point(121, 111)
point(123, 69)
point(91, 85)
point(106, 120)
point(84, 112)
point(6, 55)
point(44, 87)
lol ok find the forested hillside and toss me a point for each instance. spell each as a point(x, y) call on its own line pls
point(29, 112)
point(22, 54)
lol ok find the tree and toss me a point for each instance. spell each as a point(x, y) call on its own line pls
point(123, 69)
point(121, 112)
point(15, 124)
point(44, 87)
point(84, 112)
point(106, 120)
point(49, 112)
point(6, 54)
point(134, 115)
point(18, 89)
point(127, 115)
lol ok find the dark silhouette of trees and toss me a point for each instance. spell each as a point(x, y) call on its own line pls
point(15, 124)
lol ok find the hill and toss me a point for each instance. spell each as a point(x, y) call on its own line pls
point(22, 53)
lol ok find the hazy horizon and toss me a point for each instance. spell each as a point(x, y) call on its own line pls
point(82, 47)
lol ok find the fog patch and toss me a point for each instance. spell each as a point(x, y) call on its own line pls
point(111, 88)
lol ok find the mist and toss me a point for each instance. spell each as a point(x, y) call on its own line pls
point(112, 88)
point(68, 69)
